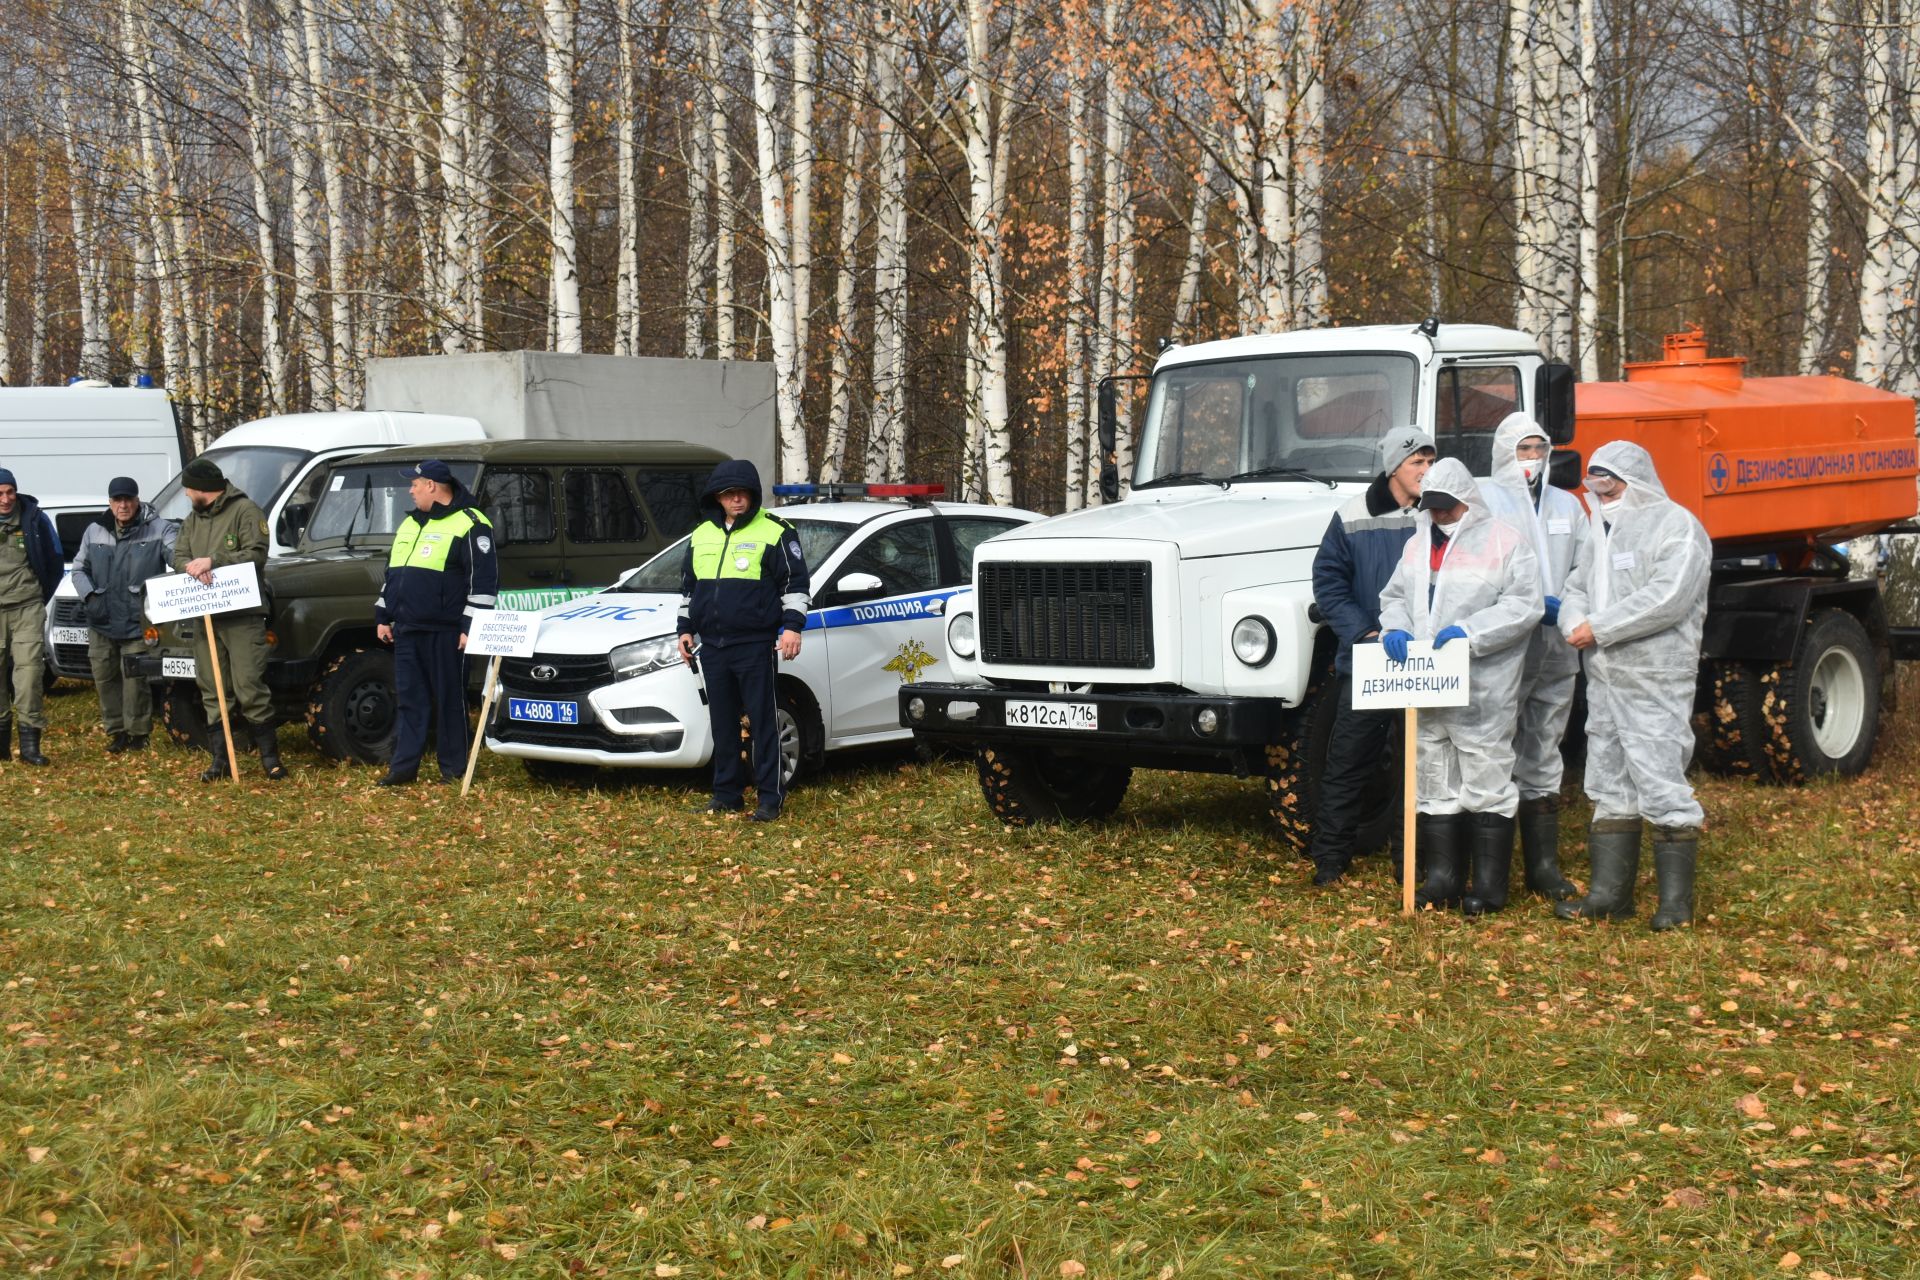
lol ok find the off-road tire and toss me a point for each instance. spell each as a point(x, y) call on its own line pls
point(1293, 775)
point(350, 708)
point(1035, 786)
point(182, 714)
point(1822, 710)
point(1730, 734)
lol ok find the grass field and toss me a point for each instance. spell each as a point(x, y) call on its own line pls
point(316, 1029)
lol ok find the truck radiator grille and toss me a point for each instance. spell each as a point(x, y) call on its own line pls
point(1070, 615)
point(70, 659)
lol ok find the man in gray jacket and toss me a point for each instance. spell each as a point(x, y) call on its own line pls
point(110, 573)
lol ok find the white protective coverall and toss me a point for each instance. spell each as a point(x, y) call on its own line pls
point(1644, 593)
point(1558, 524)
point(1488, 584)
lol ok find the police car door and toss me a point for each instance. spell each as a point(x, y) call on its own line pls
point(879, 636)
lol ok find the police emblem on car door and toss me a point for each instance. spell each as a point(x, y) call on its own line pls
point(884, 597)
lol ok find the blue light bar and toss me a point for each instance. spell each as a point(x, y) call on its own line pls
point(795, 490)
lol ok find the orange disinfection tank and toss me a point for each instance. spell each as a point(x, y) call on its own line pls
point(1765, 463)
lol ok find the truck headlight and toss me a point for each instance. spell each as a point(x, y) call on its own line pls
point(1253, 641)
point(643, 656)
point(961, 639)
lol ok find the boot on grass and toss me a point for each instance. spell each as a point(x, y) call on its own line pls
point(1675, 850)
point(1613, 847)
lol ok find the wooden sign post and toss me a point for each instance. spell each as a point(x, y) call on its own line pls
point(174, 596)
point(501, 633)
point(1428, 678)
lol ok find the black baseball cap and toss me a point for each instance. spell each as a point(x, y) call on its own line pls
point(123, 487)
point(1437, 500)
point(432, 469)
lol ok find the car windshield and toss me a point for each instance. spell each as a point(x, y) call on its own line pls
point(259, 471)
point(818, 538)
point(1310, 416)
point(368, 501)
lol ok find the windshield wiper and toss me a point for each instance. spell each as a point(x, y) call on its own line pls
point(366, 506)
point(1180, 477)
point(1299, 473)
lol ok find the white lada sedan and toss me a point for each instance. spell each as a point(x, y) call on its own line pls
point(606, 686)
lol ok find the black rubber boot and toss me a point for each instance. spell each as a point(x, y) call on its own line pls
point(267, 742)
point(1440, 844)
point(30, 746)
point(1613, 847)
point(1492, 839)
point(217, 748)
point(1328, 868)
point(6, 739)
point(136, 742)
point(1674, 852)
point(1540, 849)
point(117, 744)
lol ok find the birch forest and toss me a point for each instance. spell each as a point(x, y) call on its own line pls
point(941, 221)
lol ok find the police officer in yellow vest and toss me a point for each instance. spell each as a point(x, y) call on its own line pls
point(441, 569)
point(743, 592)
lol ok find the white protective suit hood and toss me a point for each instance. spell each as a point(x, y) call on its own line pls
point(1507, 469)
point(1488, 584)
point(1644, 595)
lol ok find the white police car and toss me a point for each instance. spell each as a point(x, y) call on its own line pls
point(606, 686)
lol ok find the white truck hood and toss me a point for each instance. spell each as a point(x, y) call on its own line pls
point(1202, 520)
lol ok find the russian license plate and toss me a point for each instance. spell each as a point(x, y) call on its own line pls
point(541, 711)
point(177, 668)
point(1052, 715)
point(69, 635)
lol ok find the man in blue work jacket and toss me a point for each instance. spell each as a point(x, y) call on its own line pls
point(743, 592)
point(441, 570)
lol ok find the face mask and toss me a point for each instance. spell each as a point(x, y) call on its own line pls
point(1608, 504)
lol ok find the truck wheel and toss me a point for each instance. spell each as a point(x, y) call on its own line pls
point(1730, 735)
point(350, 708)
point(1822, 710)
point(1293, 777)
point(1037, 785)
point(182, 715)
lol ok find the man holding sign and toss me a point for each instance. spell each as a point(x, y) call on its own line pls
point(1466, 577)
point(226, 528)
point(441, 570)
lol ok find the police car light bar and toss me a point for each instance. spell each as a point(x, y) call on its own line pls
point(829, 492)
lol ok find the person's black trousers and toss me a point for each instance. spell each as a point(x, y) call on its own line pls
point(1353, 757)
point(740, 682)
point(430, 692)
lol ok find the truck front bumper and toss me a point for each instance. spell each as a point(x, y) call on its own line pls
point(291, 679)
point(1146, 727)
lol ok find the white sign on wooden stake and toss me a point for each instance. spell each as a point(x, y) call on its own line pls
point(504, 633)
point(173, 596)
point(1428, 678)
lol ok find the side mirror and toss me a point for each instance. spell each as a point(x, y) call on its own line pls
point(1553, 400)
point(1564, 469)
point(1109, 435)
point(857, 586)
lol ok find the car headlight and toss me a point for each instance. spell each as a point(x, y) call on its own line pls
point(961, 639)
point(1253, 641)
point(642, 656)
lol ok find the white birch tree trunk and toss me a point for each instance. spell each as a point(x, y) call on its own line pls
point(776, 227)
point(309, 335)
point(273, 343)
point(156, 197)
point(479, 171)
point(455, 129)
point(557, 40)
point(724, 209)
point(1307, 278)
point(1876, 354)
point(1587, 167)
point(887, 426)
point(699, 229)
point(88, 265)
point(6, 277)
point(41, 303)
point(1819, 254)
point(1079, 220)
point(422, 146)
point(840, 375)
point(985, 470)
point(626, 289)
point(340, 344)
point(800, 237)
point(1193, 264)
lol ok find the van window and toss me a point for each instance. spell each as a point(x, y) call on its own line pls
point(969, 532)
point(600, 508)
point(367, 500)
point(255, 470)
point(672, 498)
point(520, 505)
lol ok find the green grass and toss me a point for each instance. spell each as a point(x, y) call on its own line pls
point(316, 1029)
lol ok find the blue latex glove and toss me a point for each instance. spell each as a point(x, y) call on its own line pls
point(1552, 614)
point(1395, 643)
point(1449, 633)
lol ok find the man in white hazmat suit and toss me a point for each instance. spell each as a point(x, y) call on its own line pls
point(1465, 575)
point(1636, 610)
point(1520, 495)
